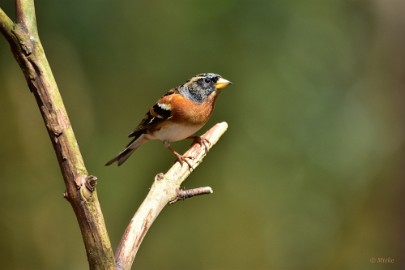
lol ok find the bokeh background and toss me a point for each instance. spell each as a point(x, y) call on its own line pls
point(310, 174)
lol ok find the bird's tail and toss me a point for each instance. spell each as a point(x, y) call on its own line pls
point(126, 153)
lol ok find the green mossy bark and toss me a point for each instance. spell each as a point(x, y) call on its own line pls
point(28, 52)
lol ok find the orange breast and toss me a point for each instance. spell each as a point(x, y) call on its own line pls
point(185, 110)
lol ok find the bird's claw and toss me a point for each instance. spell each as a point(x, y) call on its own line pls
point(183, 159)
point(201, 141)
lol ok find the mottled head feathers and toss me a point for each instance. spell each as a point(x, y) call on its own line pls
point(201, 86)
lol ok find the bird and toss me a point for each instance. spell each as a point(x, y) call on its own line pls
point(177, 115)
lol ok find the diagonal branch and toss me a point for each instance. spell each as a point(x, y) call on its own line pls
point(163, 191)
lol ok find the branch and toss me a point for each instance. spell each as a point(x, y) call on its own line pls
point(165, 189)
point(6, 25)
point(183, 194)
point(25, 13)
point(29, 53)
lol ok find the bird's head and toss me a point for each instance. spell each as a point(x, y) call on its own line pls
point(202, 86)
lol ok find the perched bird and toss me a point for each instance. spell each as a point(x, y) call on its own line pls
point(178, 115)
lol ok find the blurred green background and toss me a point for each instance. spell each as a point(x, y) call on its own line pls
point(310, 174)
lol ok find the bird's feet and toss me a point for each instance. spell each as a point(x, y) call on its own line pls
point(201, 141)
point(183, 159)
point(180, 158)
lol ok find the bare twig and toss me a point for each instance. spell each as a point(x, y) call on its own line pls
point(164, 190)
point(29, 53)
point(183, 194)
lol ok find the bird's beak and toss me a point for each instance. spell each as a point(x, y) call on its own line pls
point(222, 83)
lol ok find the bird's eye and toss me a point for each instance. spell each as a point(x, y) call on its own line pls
point(207, 80)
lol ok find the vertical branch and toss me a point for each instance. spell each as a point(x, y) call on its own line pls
point(26, 17)
point(28, 52)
